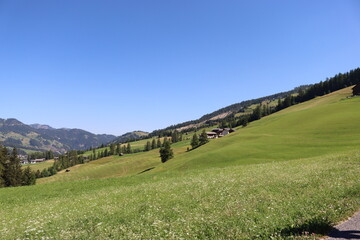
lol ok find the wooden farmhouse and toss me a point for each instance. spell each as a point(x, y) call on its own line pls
point(219, 132)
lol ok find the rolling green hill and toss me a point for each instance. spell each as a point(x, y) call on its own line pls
point(130, 136)
point(325, 125)
point(290, 175)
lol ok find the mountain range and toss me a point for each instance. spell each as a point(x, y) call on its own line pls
point(37, 137)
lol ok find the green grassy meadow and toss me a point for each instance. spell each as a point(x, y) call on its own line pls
point(40, 166)
point(290, 175)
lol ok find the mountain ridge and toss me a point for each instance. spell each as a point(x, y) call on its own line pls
point(40, 137)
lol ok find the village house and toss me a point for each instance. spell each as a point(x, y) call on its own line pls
point(39, 160)
point(219, 132)
point(25, 161)
point(211, 135)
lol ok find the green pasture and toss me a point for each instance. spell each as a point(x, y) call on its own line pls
point(40, 166)
point(290, 175)
point(275, 200)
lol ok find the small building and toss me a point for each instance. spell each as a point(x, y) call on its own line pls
point(224, 133)
point(39, 160)
point(211, 135)
point(231, 130)
point(356, 89)
point(219, 132)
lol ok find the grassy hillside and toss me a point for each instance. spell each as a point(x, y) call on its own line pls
point(285, 176)
point(40, 166)
point(325, 125)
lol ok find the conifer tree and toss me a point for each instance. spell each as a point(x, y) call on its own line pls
point(158, 144)
point(147, 146)
point(166, 152)
point(203, 138)
point(3, 155)
point(13, 172)
point(195, 141)
point(112, 149)
point(128, 148)
point(256, 115)
point(28, 177)
point(164, 141)
point(118, 149)
point(153, 144)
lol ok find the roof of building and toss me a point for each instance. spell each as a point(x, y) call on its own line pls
point(211, 133)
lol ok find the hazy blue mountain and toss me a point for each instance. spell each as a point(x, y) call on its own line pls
point(38, 137)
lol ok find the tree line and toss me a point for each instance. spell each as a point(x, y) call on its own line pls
point(11, 172)
point(339, 81)
point(175, 136)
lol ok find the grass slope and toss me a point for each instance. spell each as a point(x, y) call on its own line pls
point(213, 192)
point(40, 166)
point(271, 200)
point(324, 125)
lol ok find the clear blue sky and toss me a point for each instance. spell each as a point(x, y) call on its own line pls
point(118, 66)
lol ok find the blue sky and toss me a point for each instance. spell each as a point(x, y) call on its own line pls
point(118, 66)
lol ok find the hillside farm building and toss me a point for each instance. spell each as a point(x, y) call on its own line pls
point(219, 132)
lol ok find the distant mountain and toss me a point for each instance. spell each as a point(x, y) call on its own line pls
point(40, 126)
point(38, 137)
point(130, 136)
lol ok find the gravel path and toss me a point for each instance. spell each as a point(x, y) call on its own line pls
point(349, 229)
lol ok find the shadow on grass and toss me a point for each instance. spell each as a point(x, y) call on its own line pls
point(146, 170)
point(311, 226)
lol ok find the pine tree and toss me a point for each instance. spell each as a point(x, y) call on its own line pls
point(164, 141)
point(158, 144)
point(128, 148)
point(3, 156)
point(153, 144)
point(256, 115)
point(118, 149)
point(195, 141)
point(13, 172)
point(147, 146)
point(203, 138)
point(38, 174)
point(28, 177)
point(106, 152)
point(166, 152)
point(112, 149)
point(245, 122)
point(175, 136)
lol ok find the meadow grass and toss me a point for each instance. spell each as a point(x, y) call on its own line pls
point(290, 175)
point(40, 166)
point(280, 200)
